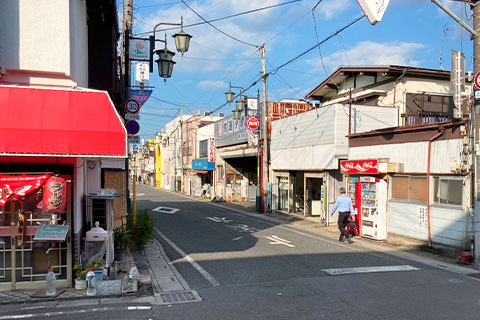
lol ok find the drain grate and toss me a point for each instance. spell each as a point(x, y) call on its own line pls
point(177, 297)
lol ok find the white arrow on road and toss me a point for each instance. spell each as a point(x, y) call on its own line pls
point(278, 240)
point(165, 210)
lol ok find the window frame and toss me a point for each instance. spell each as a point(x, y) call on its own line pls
point(436, 200)
point(409, 188)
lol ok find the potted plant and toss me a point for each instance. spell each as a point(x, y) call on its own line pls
point(121, 241)
point(97, 266)
point(80, 277)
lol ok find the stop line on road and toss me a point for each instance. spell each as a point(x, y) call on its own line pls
point(343, 271)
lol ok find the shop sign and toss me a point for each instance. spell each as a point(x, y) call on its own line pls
point(139, 49)
point(141, 96)
point(20, 187)
point(54, 195)
point(253, 123)
point(211, 150)
point(359, 166)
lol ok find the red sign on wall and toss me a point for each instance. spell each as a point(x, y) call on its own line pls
point(359, 166)
point(211, 150)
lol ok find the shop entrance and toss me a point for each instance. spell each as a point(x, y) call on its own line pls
point(25, 262)
point(314, 204)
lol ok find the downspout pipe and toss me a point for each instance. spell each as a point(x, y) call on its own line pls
point(436, 136)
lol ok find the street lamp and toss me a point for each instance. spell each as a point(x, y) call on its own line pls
point(165, 57)
point(240, 105)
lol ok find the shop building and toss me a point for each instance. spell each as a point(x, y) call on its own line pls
point(429, 182)
point(196, 171)
point(305, 153)
point(53, 126)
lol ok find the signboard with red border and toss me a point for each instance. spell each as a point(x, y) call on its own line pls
point(477, 80)
point(132, 106)
point(359, 166)
point(252, 123)
point(132, 127)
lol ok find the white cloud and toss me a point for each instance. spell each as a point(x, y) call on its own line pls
point(331, 8)
point(212, 84)
point(372, 53)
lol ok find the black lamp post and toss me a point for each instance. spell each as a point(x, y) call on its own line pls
point(240, 106)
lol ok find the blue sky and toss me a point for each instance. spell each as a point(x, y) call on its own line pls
point(409, 34)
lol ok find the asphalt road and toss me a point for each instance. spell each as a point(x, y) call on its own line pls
point(245, 267)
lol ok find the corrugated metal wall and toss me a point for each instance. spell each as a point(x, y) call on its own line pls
point(414, 155)
point(317, 139)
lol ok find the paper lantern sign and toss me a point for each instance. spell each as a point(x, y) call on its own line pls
point(54, 195)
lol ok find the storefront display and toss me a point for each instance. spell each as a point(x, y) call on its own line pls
point(33, 238)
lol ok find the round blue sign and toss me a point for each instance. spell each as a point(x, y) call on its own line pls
point(132, 127)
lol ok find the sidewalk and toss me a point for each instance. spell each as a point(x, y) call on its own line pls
point(107, 292)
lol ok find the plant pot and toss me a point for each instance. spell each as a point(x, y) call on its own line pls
point(120, 254)
point(80, 284)
point(98, 275)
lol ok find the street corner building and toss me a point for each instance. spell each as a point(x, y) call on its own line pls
point(63, 143)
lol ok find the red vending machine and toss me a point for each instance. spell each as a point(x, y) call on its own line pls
point(369, 197)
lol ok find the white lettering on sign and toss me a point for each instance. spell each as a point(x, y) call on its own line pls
point(277, 240)
point(211, 150)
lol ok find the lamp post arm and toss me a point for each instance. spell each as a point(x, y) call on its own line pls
point(238, 88)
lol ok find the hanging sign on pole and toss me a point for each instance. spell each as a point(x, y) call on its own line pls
point(253, 124)
point(132, 106)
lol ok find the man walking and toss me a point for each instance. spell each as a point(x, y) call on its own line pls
point(345, 209)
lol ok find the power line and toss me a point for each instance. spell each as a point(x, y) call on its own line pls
point(162, 4)
point(222, 32)
point(225, 17)
point(318, 44)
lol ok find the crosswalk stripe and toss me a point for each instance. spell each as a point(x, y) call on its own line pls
point(342, 271)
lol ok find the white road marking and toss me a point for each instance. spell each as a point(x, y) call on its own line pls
point(56, 313)
point(217, 219)
point(139, 308)
point(165, 210)
point(342, 271)
point(278, 240)
point(138, 194)
point(199, 268)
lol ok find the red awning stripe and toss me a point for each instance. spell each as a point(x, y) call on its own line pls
point(55, 122)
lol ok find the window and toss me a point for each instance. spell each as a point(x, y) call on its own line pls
point(427, 108)
point(409, 188)
point(203, 149)
point(189, 147)
point(447, 190)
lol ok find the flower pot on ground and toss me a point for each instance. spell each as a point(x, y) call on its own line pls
point(80, 276)
point(80, 284)
point(121, 241)
point(97, 266)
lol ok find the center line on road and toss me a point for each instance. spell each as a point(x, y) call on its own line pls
point(184, 255)
point(342, 271)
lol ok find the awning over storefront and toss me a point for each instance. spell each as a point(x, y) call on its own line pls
point(53, 122)
point(202, 164)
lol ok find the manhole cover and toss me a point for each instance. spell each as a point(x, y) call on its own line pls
point(177, 297)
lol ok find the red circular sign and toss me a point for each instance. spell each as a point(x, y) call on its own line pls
point(477, 80)
point(252, 123)
point(132, 127)
point(132, 106)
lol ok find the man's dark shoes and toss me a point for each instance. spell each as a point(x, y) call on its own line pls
point(349, 239)
point(341, 238)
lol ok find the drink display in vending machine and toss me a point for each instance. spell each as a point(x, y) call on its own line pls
point(352, 191)
point(373, 195)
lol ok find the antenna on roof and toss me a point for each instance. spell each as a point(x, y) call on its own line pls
point(444, 34)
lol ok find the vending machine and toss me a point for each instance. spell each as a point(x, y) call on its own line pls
point(369, 198)
point(373, 211)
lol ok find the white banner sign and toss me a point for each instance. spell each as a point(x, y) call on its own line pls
point(142, 74)
point(133, 139)
point(252, 104)
point(132, 116)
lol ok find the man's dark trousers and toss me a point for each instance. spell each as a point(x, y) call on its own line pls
point(342, 223)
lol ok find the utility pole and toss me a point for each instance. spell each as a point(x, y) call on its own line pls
point(266, 172)
point(125, 67)
point(476, 125)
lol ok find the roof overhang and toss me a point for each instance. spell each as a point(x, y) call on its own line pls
point(60, 123)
